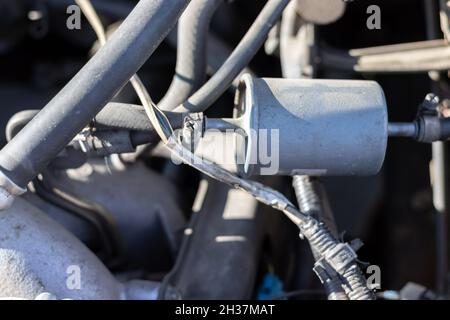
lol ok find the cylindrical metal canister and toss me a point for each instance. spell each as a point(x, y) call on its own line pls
point(313, 127)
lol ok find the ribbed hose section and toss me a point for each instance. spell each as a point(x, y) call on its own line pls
point(132, 117)
point(356, 287)
point(334, 290)
point(114, 115)
point(310, 203)
point(193, 29)
point(307, 196)
point(319, 237)
point(321, 240)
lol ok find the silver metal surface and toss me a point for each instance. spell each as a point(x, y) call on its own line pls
point(8, 191)
point(38, 255)
point(40, 260)
point(316, 127)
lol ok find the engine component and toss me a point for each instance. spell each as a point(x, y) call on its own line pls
point(312, 200)
point(311, 127)
point(297, 45)
point(138, 202)
point(322, 127)
point(140, 34)
point(429, 126)
point(117, 128)
point(335, 257)
point(37, 255)
point(226, 230)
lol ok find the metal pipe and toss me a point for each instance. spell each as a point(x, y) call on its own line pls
point(403, 129)
point(222, 124)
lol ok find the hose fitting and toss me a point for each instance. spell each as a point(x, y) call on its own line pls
point(337, 257)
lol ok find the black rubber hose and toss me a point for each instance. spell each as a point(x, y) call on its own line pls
point(113, 116)
point(238, 60)
point(132, 117)
point(90, 90)
point(193, 29)
point(123, 116)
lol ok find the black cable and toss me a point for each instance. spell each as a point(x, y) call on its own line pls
point(114, 115)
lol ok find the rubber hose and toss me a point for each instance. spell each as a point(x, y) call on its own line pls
point(132, 117)
point(193, 29)
point(91, 89)
point(218, 53)
point(239, 59)
point(113, 116)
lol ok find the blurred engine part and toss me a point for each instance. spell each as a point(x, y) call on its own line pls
point(37, 255)
point(222, 241)
point(320, 11)
point(135, 203)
